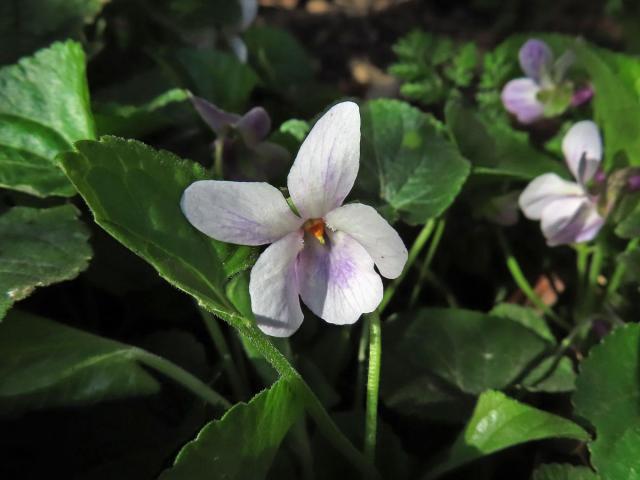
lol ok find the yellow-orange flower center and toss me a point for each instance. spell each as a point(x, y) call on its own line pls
point(315, 227)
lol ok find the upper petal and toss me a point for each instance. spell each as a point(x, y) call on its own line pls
point(582, 148)
point(254, 126)
point(337, 280)
point(520, 97)
point(249, 10)
point(246, 213)
point(379, 239)
point(327, 164)
point(273, 287)
point(544, 190)
point(570, 220)
point(216, 118)
point(535, 57)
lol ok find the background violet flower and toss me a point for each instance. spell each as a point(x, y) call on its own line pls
point(566, 210)
point(326, 255)
point(543, 92)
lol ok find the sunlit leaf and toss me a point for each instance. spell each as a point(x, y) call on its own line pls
point(499, 422)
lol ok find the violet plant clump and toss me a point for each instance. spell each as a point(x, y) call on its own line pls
point(260, 291)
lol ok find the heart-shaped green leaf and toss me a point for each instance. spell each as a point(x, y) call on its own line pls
point(44, 109)
point(470, 351)
point(608, 395)
point(407, 162)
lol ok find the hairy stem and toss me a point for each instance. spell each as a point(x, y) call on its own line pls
point(373, 385)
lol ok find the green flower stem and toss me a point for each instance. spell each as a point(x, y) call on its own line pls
point(424, 268)
point(373, 385)
point(525, 286)
point(414, 251)
point(238, 385)
point(595, 267)
point(326, 426)
point(582, 252)
point(621, 267)
point(182, 377)
point(375, 344)
point(218, 163)
point(362, 357)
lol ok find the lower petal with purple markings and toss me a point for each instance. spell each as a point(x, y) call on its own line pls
point(571, 220)
point(337, 280)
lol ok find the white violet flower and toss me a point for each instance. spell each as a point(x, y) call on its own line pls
point(567, 210)
point(327, 254)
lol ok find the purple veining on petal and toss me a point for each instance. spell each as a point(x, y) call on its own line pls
point(519, 97)
point(582, 95)
point(582, 227)
point(535, 57)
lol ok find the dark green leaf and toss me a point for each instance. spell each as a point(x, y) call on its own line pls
point(217, 76)
point(39, 247)
point(527, 317)
point(608, 394)
point(499, 422)
point(134, 193)
point(556, 471)
point(494, 148)
point(470, 350)
point(552, 376)
point(242, 444)
point(47, 364)
point(28, 25)
point(616, 104)
point(44, 109)
point(280, 59)
point(418, 171)
point(137, 120)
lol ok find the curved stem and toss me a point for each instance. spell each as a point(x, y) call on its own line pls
point(525, 286)
point(620, 269)
point(239, 387)
point(373, 383)
point(182, 377)
point(326, 426)
point(424, 268)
